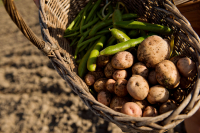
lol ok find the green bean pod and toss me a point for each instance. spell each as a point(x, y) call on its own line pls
point(134, 33)
point(119, 35)
point(122, 46)
point(93, 10)
point(82, 68)
point(117, 16)
point(111, 41)
point(144, 26)
point(88, 41)
point(91, 63)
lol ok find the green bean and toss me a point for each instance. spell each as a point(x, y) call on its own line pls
point(99, 15)
point(71, 35)
point(75, 20)
point(83, 64)
point(74, 41)
point(111, 41)
point(117, 16)
point(84, 17)
point(93, 10)
point(88, 41)
point(119, 35)
point(144, 26)
point(133, 33)
point(90, 23)
point(91, 63)
point(129, 16)
point(122, 46)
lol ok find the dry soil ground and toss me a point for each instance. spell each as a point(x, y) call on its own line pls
point(32, 99)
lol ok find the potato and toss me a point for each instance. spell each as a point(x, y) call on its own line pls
point(104, 97)
point(102, 60)
point(157, 94)
point(122, 60)
point(119, 74)
point(167, 74)
point(132, 109)
point(153, 50)
point(167, 106)
point(97, 74)
point(186, 67)
point(140, 69)
point(138, 87)
point(142, 103)
point(152, 78)
point(185, 82)
point(100, 84)
point(117, 103)
point(109, 70)
point(150, 111)
point(110, 85)
point(120, 87)
point(89, 79)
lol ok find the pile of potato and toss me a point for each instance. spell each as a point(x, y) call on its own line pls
point(145, 82)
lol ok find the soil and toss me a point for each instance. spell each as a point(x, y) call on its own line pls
point(32, 99)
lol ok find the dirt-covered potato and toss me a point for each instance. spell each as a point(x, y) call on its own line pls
point(132, 109)
point(117, 103)
point(97, 74)
point(119, 74)
point(167, 74)
point(110, 85)
point(167, 106)
point(142, 103)
point(153, 50)
point(157, 94)
point(89, 79)
point(102, 60)
point(104, 97)
point(122, 60)
point(120, 87)
point(152, 77)
point(100, 84)
point(185, 82)
point(139, 68)
point(186, 67)
point(150, 111)
point(138, 87)
point(109, 70)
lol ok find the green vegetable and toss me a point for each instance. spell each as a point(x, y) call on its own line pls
point(122, 46)
point(133, 33)
point(111, 41)
point(91, 63)
point(144, 26)
point(92, 12)
point(82, 68)
point(119, 35)
point(88, 41)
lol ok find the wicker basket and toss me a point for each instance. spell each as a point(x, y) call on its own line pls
point(55, 15)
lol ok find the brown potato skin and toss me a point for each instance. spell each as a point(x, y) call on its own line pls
point(132, 109)
point(100, 84)
point(157, 94)
point(167, 74)
point(110, 85)
point(139, 68)
point(186, 67)
point(120, 87)
point(104, 97)
point(102, 60)
point(138, 87)
point(150, 111)
point(141, 103)
point(109, 70)
point(89, 79)
point(153, 50)
point(167, 106)
point(152, 78)
point(119, 74)
point(117, 103)
point(122, 60)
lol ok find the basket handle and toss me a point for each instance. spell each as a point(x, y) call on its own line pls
point(25, 29)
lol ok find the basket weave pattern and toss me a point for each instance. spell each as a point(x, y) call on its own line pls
point(56, 15)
